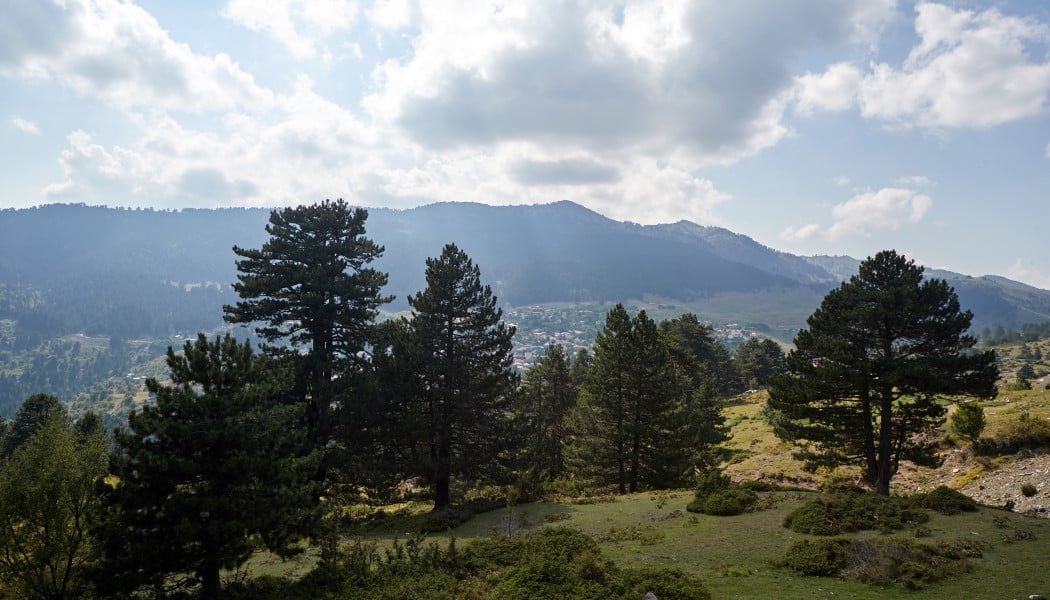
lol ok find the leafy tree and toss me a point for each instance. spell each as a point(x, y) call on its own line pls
point(630, 427)
point(757, 361)
point(465, 379)
point(48, 490)
point(31, 416)
point(547, 394)
point(311, 287)
point(215, 464)
point(865, 376)
point(968, 421)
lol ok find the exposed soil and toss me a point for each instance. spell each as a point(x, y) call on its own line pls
point(990, 481)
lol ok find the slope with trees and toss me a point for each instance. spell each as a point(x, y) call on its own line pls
point(870, 372)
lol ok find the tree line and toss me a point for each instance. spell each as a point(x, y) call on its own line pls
point(242, 449)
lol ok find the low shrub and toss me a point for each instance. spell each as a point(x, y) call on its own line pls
point(945, 500)
point(878, 562)
point(1028, 490)
point(716, 495)
point(850, 512)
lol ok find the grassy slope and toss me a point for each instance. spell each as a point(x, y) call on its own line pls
point(735, 556)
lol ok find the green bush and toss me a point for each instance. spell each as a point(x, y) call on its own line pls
point(817, 557)
point(846, 513)
point(716, 495)
point(945, 501)
point(879, 562)
point(1028, 490)
point(728, 502)
point(968, 421)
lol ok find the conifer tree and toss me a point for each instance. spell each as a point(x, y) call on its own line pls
point(868, 374)
point(311, 287)
point(631, 427)
point(213, 465)
point(31, 416)
point(465, 382)
point(547, 395)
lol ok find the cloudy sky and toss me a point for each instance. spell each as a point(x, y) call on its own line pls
point(813, 126)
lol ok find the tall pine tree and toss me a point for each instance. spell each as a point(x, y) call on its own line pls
point(631, 427)
point(215, 464)
point(465, 383)
point(547, 394)
point(311, 287)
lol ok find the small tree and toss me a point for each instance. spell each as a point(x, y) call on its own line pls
point(968, 421)
point(866, 376)
point(48, 491)
point(214, 465)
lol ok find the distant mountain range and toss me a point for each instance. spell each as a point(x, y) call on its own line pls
point(61, 266)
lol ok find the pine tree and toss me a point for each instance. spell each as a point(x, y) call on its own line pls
point(311, 287)
point(631, 426)
point(466, 382)
point(867, 374)
point(31, 416)
point(215, 463)
point(547, 395)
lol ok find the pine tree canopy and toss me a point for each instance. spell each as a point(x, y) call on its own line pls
point(873, 370)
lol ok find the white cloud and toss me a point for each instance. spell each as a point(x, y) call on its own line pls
point(643, 77)
point(970, 69)
point(806, 232)
point(25, 126)
point(834, 90)
point(117, 52)
point(887, 208)
point(296, 24)
point(913, 180)
point(1028, 274)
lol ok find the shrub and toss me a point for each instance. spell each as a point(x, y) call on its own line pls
point(879, 562)
point(968, 421)
point(728, 502)
point(846, 513)
point(716, 495)
point(1025, 431)
point(817, 557)
point(1028, 490)
point(945, 501)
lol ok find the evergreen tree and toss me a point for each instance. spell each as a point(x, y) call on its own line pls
point(631, 426)
point(865, 377)
point(757, 361)
point(547, 394)
point(215, 464)
point(711, 362)
point(465, 380)
point(48, 491)
point(311, 287)
point(31, 416)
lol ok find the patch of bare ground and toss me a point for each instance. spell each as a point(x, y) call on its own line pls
point(990, 481)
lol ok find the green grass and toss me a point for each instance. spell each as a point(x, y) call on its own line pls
point(735, 557)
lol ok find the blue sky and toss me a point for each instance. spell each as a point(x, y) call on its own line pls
point(832, 127)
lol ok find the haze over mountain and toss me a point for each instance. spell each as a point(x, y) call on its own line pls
point(67, 268)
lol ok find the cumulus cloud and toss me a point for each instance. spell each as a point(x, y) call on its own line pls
point(970, 69)
point(117, 52)
point(638, 78)
point(887, 208)
point(296, 24)
point(833, 90)
point(25, 126)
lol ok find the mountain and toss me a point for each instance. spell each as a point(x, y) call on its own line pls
point(141, 273)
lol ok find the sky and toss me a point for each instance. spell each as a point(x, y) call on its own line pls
point(814, 127)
